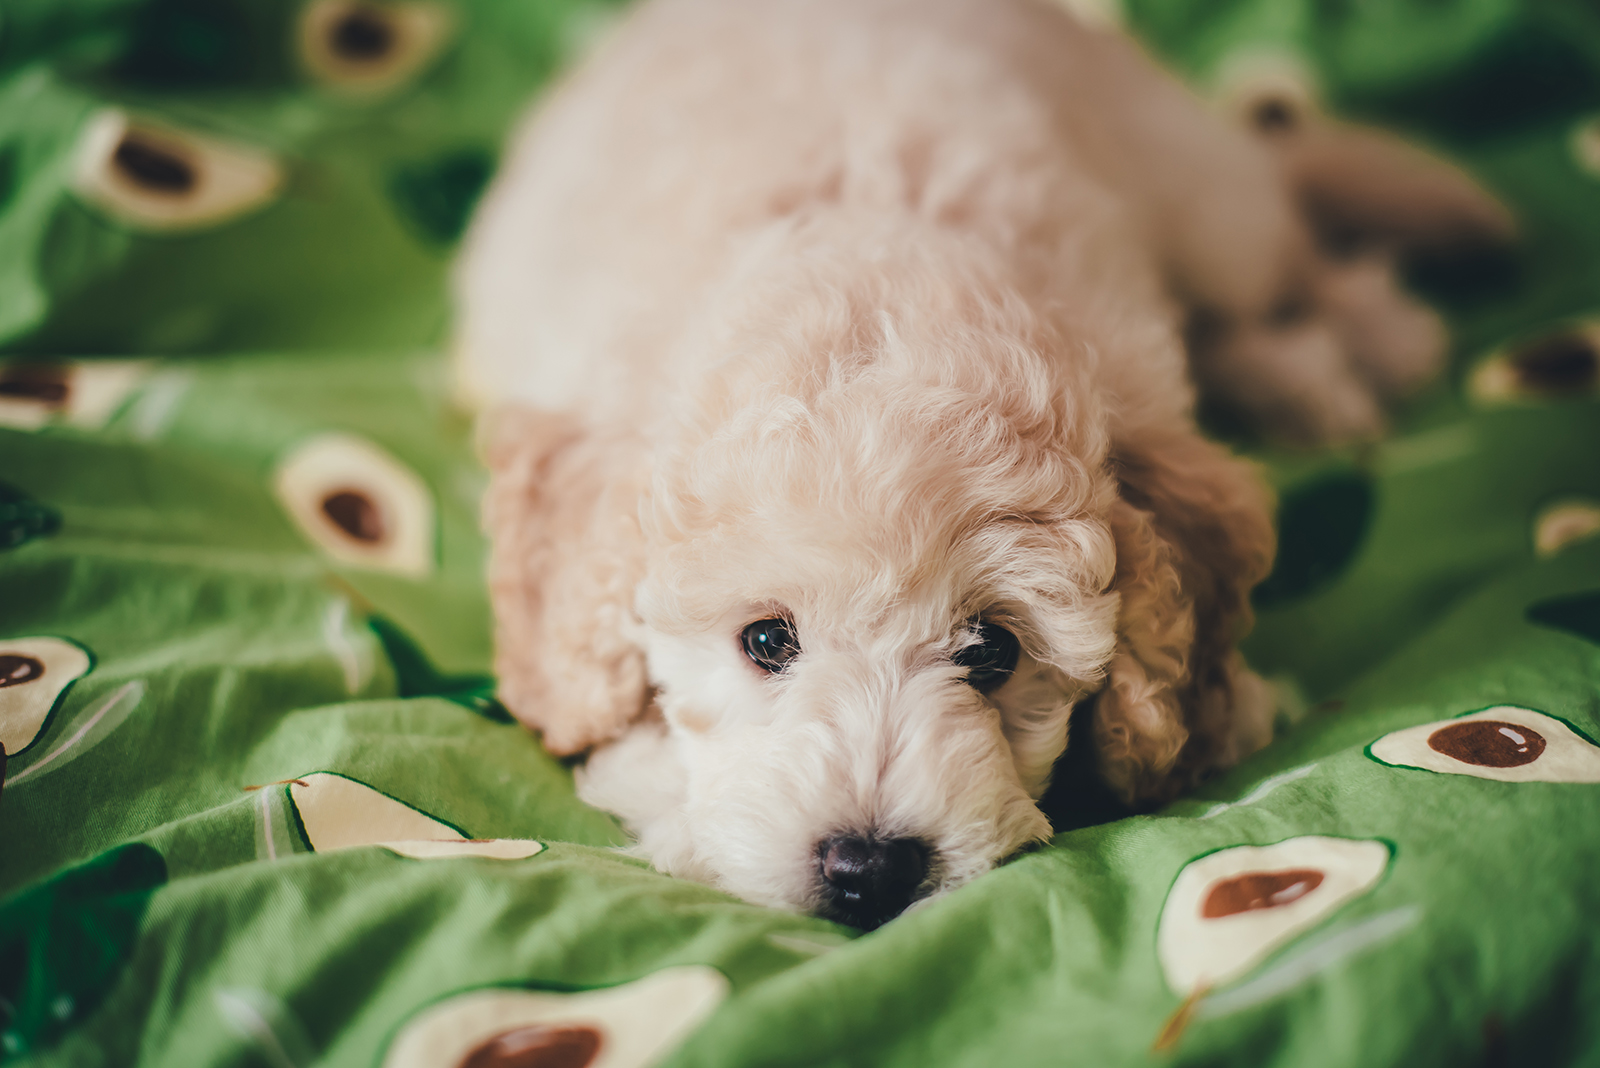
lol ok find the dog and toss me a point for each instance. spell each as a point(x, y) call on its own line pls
point(835, 359)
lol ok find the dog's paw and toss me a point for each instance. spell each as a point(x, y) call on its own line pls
point(1344, 413)
point(1297, 385)
point(1256, 704)
point(1393, 341)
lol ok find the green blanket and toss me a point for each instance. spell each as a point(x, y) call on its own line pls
point(259, 805)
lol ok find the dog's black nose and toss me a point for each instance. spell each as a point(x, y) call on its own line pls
point(867, 883)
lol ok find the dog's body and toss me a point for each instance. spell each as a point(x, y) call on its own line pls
point(863, 318)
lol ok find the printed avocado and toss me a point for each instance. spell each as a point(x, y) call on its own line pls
point(365, 48)
point(483, 848)
point(1565, 363)
point(340, 813)
point(159, 178)
point(359, 504)
point(1505, 743)
point(629, 1026)
point(34, 673)
point(80, 393)
point(337, 813)
point(1228, 910)
point(1564, 523)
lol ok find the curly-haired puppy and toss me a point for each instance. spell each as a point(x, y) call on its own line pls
point(843, 437)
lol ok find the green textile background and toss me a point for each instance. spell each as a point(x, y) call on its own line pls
point(158, 912)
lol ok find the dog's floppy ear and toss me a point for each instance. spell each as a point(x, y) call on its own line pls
point(561, 512)
point(1194, 534)
point(1139, 727)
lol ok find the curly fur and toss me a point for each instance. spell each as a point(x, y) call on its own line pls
point(870, 313)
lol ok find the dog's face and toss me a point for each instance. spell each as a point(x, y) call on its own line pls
point(867, 615)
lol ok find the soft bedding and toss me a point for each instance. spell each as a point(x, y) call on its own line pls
point(259, 805)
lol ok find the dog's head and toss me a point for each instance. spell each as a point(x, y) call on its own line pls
point(870, 601)
point(873, 564)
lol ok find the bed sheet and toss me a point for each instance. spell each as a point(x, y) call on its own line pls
point(259, 804)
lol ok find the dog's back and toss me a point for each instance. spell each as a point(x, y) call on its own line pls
point(637, 187)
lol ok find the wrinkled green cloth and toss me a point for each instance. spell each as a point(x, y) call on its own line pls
point(164, 903)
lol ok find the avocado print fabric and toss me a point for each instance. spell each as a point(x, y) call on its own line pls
point(258, 804)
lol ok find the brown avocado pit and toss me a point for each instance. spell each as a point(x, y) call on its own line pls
point(538, 1046)
point(1259, 890)
point(1488, 743)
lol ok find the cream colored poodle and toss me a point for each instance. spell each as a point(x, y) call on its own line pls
point(841, 433)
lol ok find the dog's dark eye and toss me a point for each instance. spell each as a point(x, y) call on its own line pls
point(771, 644)
point(991, 659)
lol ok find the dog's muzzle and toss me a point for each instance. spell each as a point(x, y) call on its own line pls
point(867, 882)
